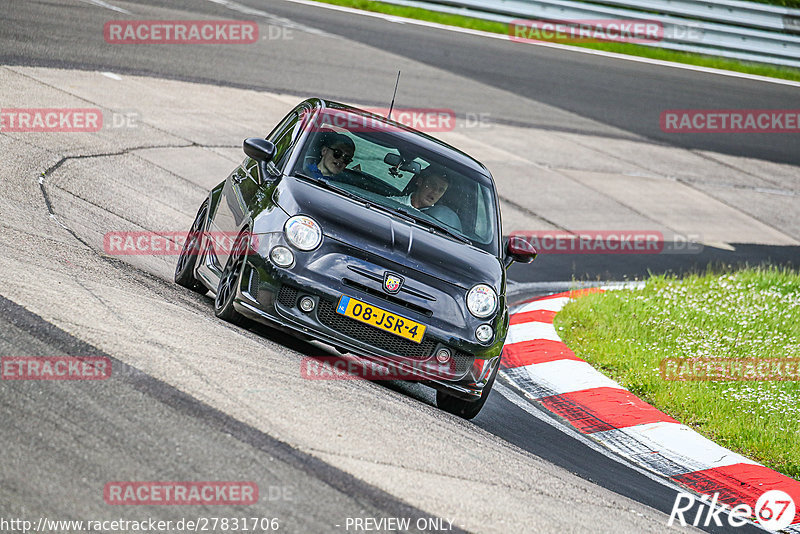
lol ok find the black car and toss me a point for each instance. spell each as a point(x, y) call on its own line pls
point(335, 239)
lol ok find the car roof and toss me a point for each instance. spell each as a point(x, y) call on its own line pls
point(426, 141)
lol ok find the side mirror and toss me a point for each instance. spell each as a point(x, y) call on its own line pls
point(262, 151)
point(259, 149)
point(519, 249)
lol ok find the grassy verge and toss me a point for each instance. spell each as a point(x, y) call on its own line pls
point(794, 4)
point(753, 313)
point(621, 48)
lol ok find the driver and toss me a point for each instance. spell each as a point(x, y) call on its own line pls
point(336, 153)
point(432, 183)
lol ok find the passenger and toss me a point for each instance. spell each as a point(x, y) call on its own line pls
point(432, 183)
point(336, 153)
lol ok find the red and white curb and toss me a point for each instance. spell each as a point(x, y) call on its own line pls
point(544, 369)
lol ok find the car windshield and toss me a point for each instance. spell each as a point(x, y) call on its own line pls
point(383, 164)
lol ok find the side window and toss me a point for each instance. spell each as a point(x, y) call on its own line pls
point(482, 220)
point(283, 136)
point(251, 167)
point(485, 214)
point(282, 145)
point(287, 121)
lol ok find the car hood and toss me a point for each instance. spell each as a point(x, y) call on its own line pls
point(399, 241)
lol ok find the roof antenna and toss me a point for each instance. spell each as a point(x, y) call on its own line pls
point(389, 116)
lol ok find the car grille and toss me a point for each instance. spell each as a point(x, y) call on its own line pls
point(463, 363)
point(253, 283)
point(287, 296)
point(375, 337)
point(326, 312)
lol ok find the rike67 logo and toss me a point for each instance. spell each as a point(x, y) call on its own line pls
point(774, 510)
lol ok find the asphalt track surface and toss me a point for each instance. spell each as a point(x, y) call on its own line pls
point(626, 96)
point(52, 468)
point(558, 90)
point(83, 435)
point(209, 444)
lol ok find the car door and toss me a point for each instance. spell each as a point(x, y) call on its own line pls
point(244, 182)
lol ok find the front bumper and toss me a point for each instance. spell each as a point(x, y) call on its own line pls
point(269, 294)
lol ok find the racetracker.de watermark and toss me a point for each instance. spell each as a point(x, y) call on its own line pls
point(607, 242)
point(50, 120)
point(341, 368)
point(68, 120)
point(180, 32)
point(730, 121)
point(55, 368)
point(145, 243)
point(180, 493)
point(730, 369)
point(422, 119)
point(586, 31)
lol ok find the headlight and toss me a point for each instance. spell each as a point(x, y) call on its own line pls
point(482, 301)
point(281, 256)
point(484, 333)
point(303, 232)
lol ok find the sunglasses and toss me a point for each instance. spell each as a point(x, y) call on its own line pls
point(339, 154)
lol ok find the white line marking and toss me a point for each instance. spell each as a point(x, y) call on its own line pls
point(679, 443)
point(559, 287)
point(567, 376)
point(112, 75)
point(613, 55)
point(106, 5)
point(554, 304)
point(274, 19)
point(518, 333)
point(513, 397)
point(661, 448)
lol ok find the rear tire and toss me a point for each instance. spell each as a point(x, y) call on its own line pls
point(465, 408)
point(184, 270)
point(229, 281)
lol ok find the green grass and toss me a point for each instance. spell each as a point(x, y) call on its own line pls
point(783, 3)
point(621, 48)
point(752, 313)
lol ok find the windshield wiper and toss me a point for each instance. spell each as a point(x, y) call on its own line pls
point(327, 185)
point(368, 203)
point(432, 225)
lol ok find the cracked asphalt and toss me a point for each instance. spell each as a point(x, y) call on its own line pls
point(195, 398)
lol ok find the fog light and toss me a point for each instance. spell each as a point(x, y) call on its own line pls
point(443, 355)
point(306, 304)
point(484, 333)
point(281, 256)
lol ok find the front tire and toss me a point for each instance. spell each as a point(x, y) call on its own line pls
point(229, 281)
point(467, 409)
point(184, 270)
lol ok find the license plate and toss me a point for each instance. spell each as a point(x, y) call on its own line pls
point(399, 326)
